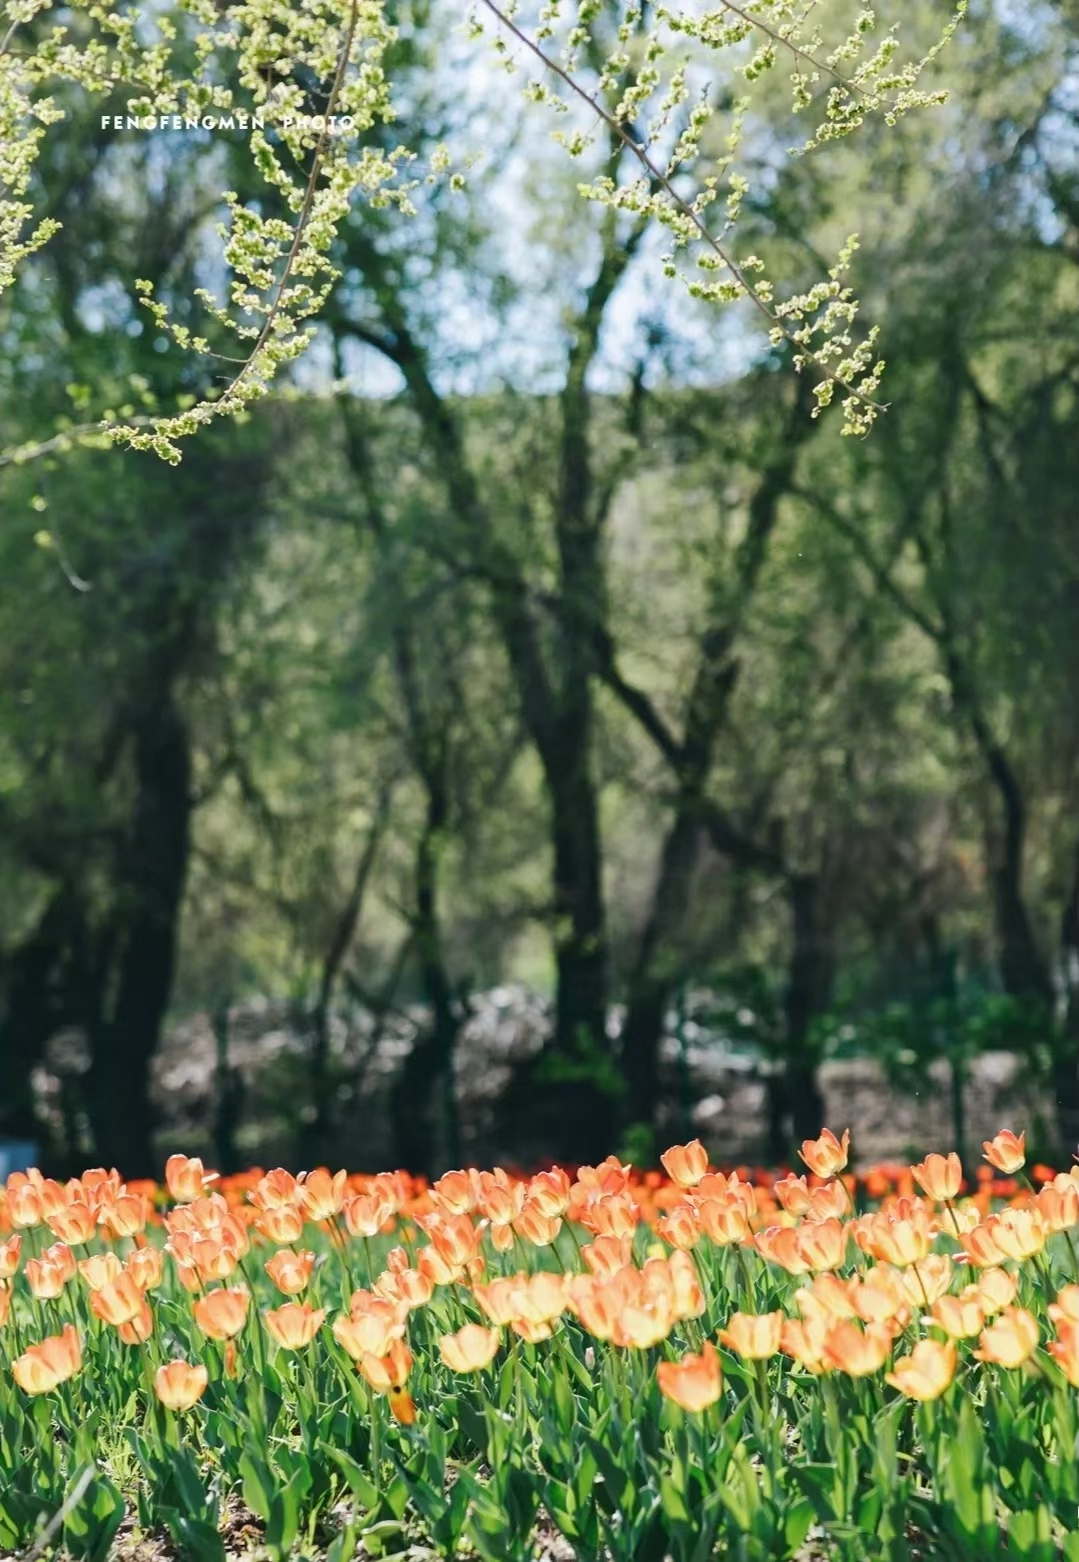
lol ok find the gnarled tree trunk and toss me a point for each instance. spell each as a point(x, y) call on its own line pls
point(127, 1027)
point(796, 1107)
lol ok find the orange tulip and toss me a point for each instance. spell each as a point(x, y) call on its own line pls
point(54, 1198)
point(724, 1220)
point(320, 1194)
point(793, 1193)
point(940, 1176)
point(961, 1317)
point(185, 1178)
point(804, 1340)
point(214, 1260)
point(823, 1244)
point(927, 1279)
point(179, 1386)
point(644, 1321)
point(880, 1297)
point(549, 1192)
point(539, 1298)
point(926, 1372)
point(781, 1245)
point(826, 1155)
point(454, 1237)
point(282, 1223)
point(367, 1213)
point(364, 1304)
point(1005, 1151)
point(1065, 1350)
point(829, 1201)
point(501, 1235)
point(470, 1349)
point(100, 1269)
point(753, 1335)
point(497, 1299)
point(125, 1216)
point(46, 1277)
point(42, 1367)
point(5, 1304)
point(137, 1330)
point(686, 1164)
point(1058, 1207)
point(117, 1302)
point(1010, 1340)
point(455, 1192)
point(402, 1406)
point(497, 1197)
point(290, 1272)
point(405, 1287)
point(145, 1266)
point(856, 1352)
point(74, 1225)
point(686, 1289)
point(536, 1227)
point(694, 1382)
point(1066, 1307)
point(828, 1297)
point(614, 1215)
point(680, 1227)
point(607, 1255)
point(9, 1256)
point(997, 1289)
point(599, 1301)
point(387, 1374)
point(437, 1269)
point(274, 1190)
point(1017, 1233)
point(370, 1332)
point(222, 1314)
point(980, 1248)
point(295, 1324)
point(895, 1239)
point(24, 1204)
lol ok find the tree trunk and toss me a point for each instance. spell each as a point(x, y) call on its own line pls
point(424, 1103)
point(811, 975)
point(1023, 971)
point(127, 1031)
point(314, 1138)
point(1066, 1057)
point(657, 970)
point(30, 1015)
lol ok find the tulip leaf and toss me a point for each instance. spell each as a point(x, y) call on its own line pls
point(359, 1483)
point(194, 1536)
point(674, 1505)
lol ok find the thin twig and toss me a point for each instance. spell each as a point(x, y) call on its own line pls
point(308, 199)
point(659, 178)
point(793, 48)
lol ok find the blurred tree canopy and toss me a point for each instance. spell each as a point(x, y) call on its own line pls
point(535, 626)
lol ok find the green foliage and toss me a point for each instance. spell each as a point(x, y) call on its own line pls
point(908, 1038)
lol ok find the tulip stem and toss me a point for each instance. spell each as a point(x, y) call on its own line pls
point(971, 1277)
point(751, 1294)
point(256, 1326)
point(376, 1441)
point(342, 1250)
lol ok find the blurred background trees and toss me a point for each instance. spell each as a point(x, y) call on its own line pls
point(537, 633)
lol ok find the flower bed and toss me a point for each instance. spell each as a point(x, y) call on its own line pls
point(692, 1365)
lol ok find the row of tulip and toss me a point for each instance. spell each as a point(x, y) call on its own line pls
point(683, 1366)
